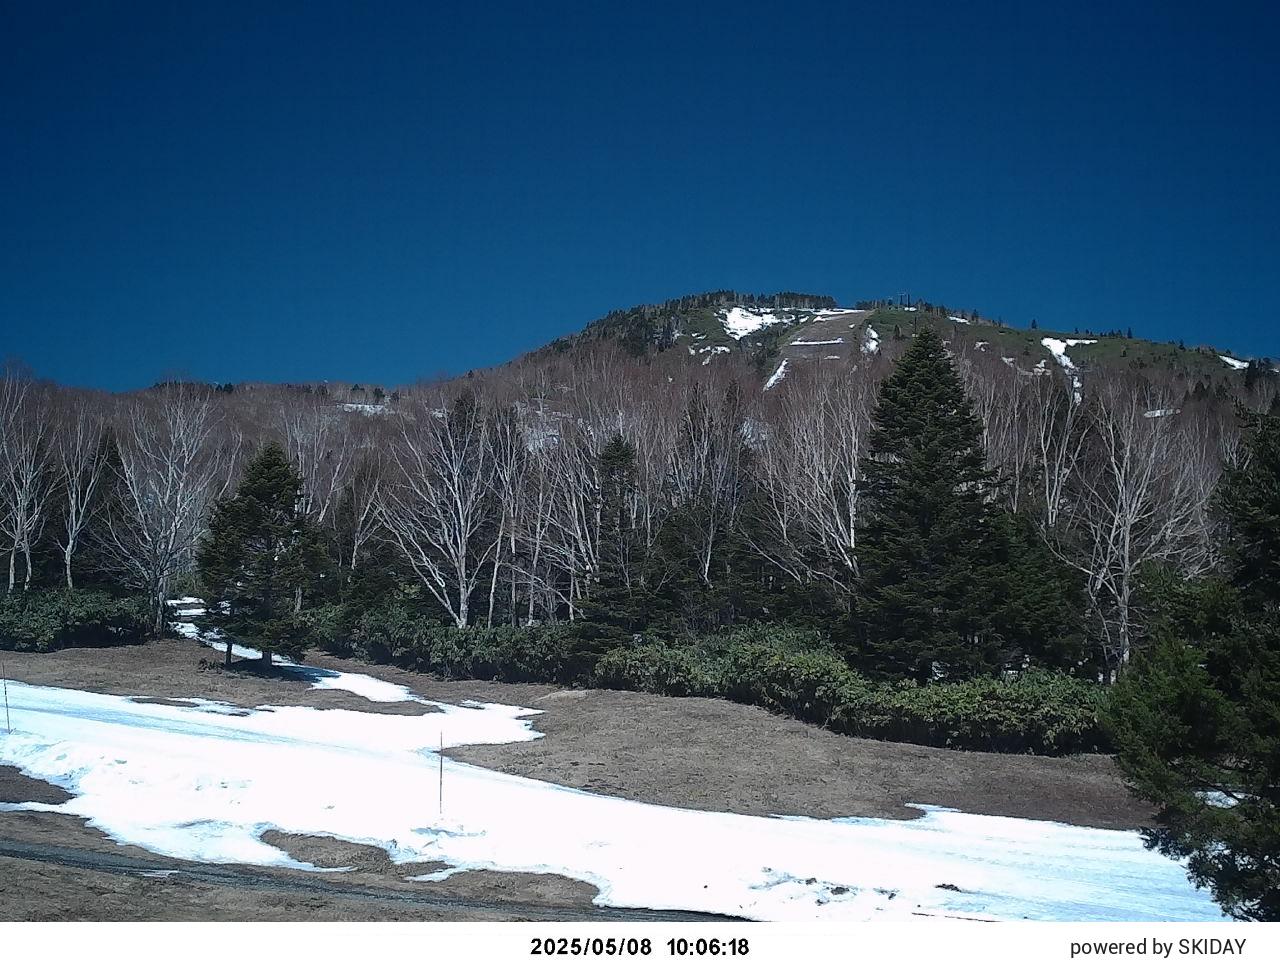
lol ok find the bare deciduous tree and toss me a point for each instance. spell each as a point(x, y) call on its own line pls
point(436, 503)
point(1140, 495)
point(808, 470)
point(172, 465)
point(24, 480)
point(80, 457)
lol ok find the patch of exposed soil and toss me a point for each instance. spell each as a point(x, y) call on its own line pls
point(54, 867)
point(334, 854)
point(17, 787)
point(696, 753)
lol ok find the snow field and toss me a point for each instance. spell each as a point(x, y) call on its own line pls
point(203, 782)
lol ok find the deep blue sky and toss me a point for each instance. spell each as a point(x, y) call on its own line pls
point(380, 192)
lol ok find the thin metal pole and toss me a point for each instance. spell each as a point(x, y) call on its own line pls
point(441, 798)
point(4, 672)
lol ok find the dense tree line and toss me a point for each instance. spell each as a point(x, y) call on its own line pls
point(677, 497)
point(931, 513)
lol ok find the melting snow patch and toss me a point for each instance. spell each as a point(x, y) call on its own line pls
point(1059, 349)
point(1232, 362)
point(816, 343)
point(872, 343)
point(778, 375)
point(205, 786)
point(1153, 414)
point(741, 321)
point(957, 319)
point(361, 684)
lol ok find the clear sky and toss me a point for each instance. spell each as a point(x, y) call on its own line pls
point(385, 191)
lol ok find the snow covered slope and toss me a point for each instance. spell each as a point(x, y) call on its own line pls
point(204, 781)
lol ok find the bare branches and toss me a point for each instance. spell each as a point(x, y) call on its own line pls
point(171, 466)
point(435, 505)
point(24, 481)
point(808, 468)
point(1140, 494)
point(80, 458)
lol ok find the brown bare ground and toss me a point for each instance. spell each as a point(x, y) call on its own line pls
point(697, 753)
point(694, 753)
point(53, 867)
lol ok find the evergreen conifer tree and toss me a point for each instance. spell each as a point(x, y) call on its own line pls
point(1196, 718)
point(259, 554)
point(930, 553)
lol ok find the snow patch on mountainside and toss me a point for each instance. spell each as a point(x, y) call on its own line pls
point(1232, 362)
point(742, 321)
point(872, 343)
point(1059, 349)
point(778, 375)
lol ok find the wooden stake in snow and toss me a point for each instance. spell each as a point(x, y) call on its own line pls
point(4, 672)
point(441, 772)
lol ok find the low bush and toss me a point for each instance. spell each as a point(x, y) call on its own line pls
point(786, 670)
point(47, 620)
point(513, 654)
point(675, 671)
point(400, 635)
point(1036, 712)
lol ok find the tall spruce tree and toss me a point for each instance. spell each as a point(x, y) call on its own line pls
point(1196, 718)
point(931, 561)
point(259, 554)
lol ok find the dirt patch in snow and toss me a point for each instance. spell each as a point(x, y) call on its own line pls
point(331, 853)
point(695, 753)
point(17, 787)
point(54, 867)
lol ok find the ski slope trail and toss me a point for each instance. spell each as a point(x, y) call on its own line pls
point(202, 781)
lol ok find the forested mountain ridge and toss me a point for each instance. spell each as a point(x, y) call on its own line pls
point(799, 328)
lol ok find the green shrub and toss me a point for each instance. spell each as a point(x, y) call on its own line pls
point(655, 668)
point(389, 634)
point(326, 630)
point(53, 619)
point(786, 670)
point(396, 633)
point(513, 654)
point(1038, 712)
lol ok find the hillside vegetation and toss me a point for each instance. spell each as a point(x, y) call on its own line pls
point(896, 522)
